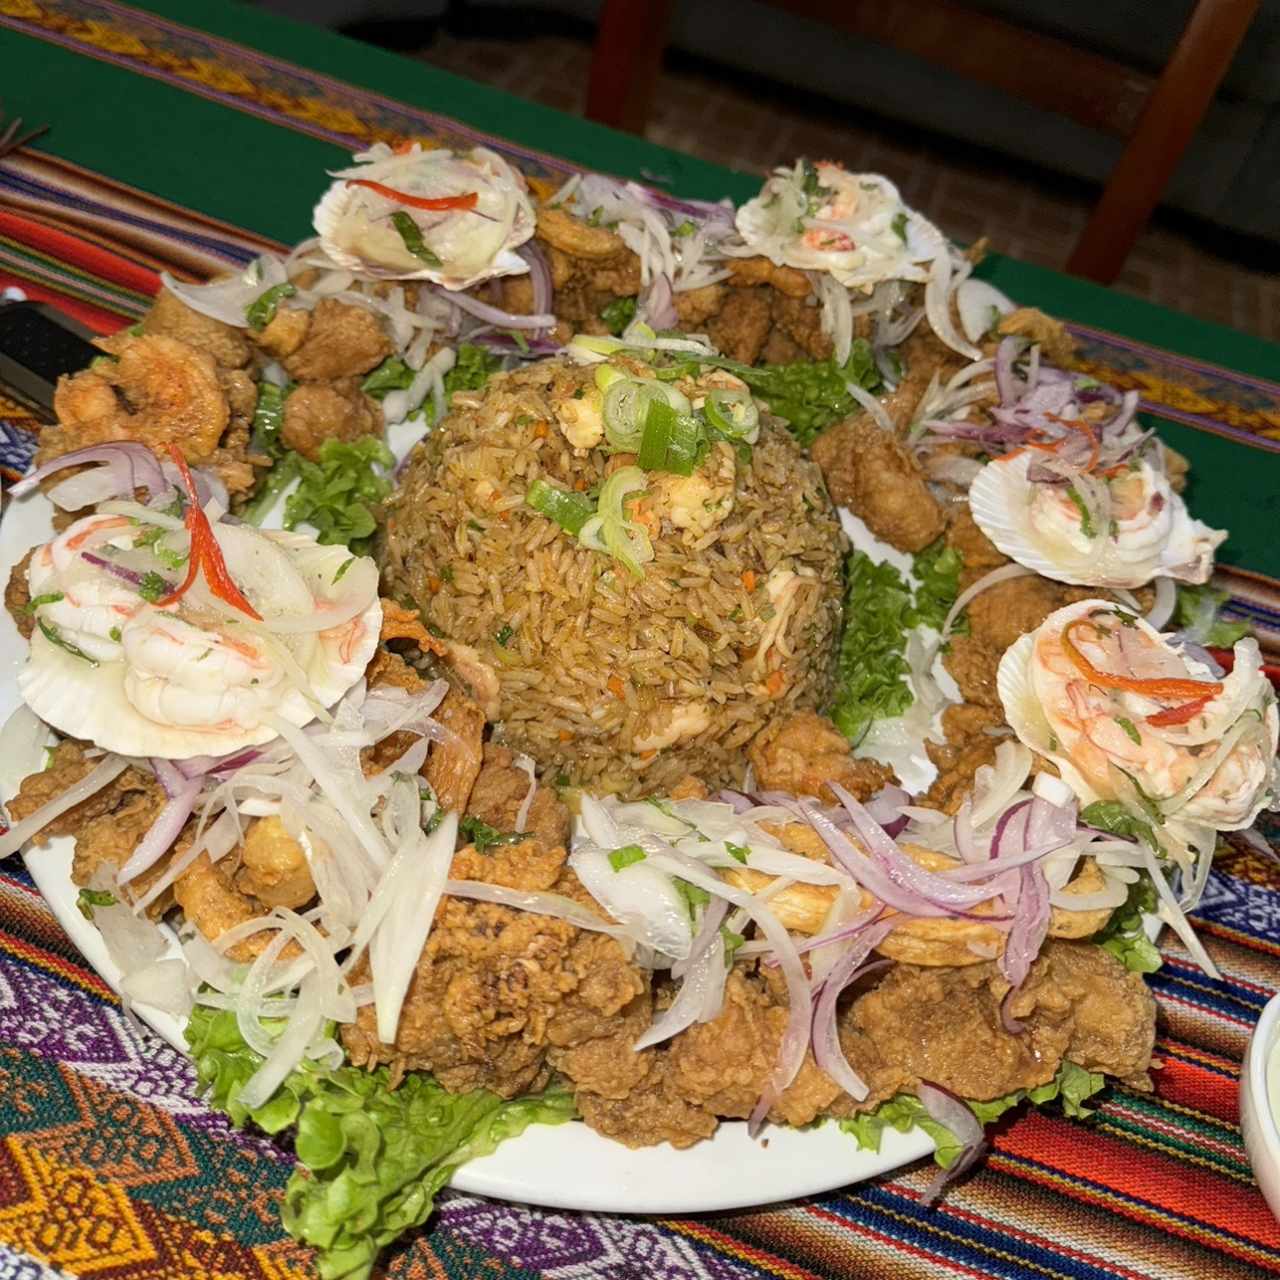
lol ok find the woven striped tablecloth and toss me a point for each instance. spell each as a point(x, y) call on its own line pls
point(110, 1166)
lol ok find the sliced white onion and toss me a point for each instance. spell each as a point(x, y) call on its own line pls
point(977, 302)
point(229, 300)
point(937, 306)
point(1003, 574)
point(1164, 603)
point(871, 405)
point(23, 741)
point(702, 982)
point(524, 762)
point(555, 905)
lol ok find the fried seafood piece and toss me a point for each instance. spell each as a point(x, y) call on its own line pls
point(967, 748)
point(973, 663)
point(207, 894)
point(800, 321)
point(694, 307)
point(499, 791)
point(590, 268)
point(274, 867)
point(453, 766)
point(1056, 344)
point(877, 478)
point(724, 1065)
point(803, 752)
point(67, 766)
point(172, 318)
point(156, 390)
point(340, 341)
point(495, 987)
point(318, 411)
point(17, 596)
point(761, 270)
point(978, 554)
point(743, 325)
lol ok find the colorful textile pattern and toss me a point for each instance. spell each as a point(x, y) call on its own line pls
point(110, 1166)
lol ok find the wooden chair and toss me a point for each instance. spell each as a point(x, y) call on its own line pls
point(1157, 115)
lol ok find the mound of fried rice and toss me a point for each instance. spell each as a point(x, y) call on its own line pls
point(625, 684)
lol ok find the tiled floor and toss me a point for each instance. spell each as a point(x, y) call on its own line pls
point(1028, 216)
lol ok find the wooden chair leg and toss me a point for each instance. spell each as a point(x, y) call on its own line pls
point(1169, 120)
point(625, 62)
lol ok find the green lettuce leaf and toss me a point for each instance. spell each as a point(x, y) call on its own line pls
point(871, 663)
point(618, 314)
point(811, 394)
point(1071, 1086)
point(937, 569)
point(1123, 934)
point(370, 1158)
point(1196, 612)
point(338, 493)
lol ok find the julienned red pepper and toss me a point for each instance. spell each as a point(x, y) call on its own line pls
point(1179, 715)
point(204, 553)
point(1161, 687)
point(434, 203)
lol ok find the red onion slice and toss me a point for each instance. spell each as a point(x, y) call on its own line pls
point(496, 316)
point(166, 828)
point(132, 465)
point(956, 1116)
point(702, 977)
point(827, 1052)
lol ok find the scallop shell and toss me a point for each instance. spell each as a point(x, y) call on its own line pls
point(334, 205)
point(91, 702)
point(1023, 714)
point(1000, 500)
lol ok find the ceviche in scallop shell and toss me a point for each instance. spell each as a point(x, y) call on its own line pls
point(1118, 528)
point(146, 645)
point(454, 218)
point(1128, 717)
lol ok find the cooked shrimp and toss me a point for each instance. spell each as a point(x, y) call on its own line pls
point(581, 417)
point(180, 674)
point(673, 722)
point(274, 866)
point(156, 390)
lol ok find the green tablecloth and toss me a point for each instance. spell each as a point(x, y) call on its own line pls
point(110, 1167)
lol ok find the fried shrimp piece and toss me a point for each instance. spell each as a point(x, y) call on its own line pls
point(699, 502)
point(401, 623)
point(743, 325)
point(967, 748)
point(573, 236)
point(341, 341)
point(977, 552)
point(694, 307)
point(107, 842)
point(1056, 344)
point(801, 753)
point(156, 390)
point(172, 318)
point(273, 866)
point(453, 766)
point(318, 411)
point(876, 477)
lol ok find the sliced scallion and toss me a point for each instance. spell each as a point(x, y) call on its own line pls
point(569, 510)
point(733, 413)
point(411, 236)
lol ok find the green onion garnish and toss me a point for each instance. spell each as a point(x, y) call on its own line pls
point(262, 311)
point(733, 413)
point(569, 510)
point(50, 597)
point(411, 235)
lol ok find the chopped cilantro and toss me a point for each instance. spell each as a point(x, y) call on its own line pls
point(685, 228)
point(732, 941)
point(899, 225)
point(694, 895)
point(1130, 729)
point(485, 837)
point(504, 635)
point(1087, 526)
point(738, 851)
point(1111, 816)
point(338, 494)
point(114, 634)
point(37, 602)
point(153, 586)
point(411, 237)
point(618, 314)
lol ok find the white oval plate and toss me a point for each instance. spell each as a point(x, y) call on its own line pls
point(564, 1166)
